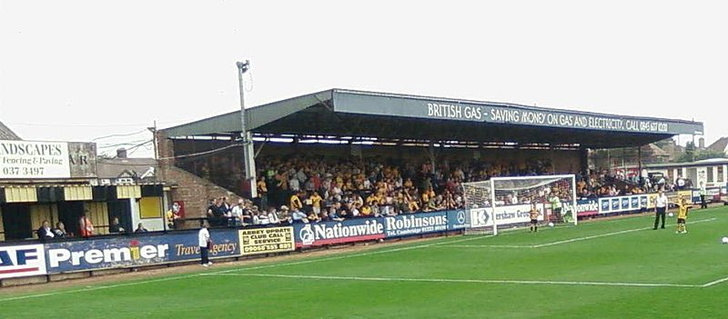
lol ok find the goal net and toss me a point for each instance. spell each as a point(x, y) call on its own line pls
point(506, 202)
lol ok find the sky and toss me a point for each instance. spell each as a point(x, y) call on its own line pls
point(106, 71)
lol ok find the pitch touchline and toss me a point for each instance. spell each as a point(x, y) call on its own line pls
point(472, 281)
point(136, 283)
point(221, 272)
point(564, 241)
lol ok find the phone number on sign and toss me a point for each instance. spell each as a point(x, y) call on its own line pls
point(24, 171)
point(260, 248)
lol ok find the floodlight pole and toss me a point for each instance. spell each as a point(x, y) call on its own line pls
point(246, 136)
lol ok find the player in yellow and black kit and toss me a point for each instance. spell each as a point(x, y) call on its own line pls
point(682, 215)
point(533, 214)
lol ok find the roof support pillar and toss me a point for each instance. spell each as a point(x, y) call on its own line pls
point(247, 137)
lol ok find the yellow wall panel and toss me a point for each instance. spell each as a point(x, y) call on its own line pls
point(128, 191)
point(150, 207)
point(77, 193)
point(98, 212)
point(39, 213)
point(21, 194)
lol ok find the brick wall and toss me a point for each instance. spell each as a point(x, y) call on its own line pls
point(195, 192)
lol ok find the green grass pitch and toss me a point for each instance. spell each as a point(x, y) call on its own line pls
point(604, 269)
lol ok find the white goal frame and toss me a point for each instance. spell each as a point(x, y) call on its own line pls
point(492, 209)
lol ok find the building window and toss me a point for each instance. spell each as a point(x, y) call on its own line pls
point(720, 174)
point(710, 174)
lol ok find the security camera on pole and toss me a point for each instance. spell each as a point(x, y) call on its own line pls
point(246, 136)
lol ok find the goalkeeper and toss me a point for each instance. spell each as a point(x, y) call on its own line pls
point(534, 213)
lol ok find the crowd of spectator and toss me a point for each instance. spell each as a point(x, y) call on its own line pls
point(309, 189)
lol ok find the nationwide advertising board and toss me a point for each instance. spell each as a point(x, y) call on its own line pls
point(22, 261)
point(362, 229)
point(119, 252)
point(266, 240)
point(327, 233)
point(584, 207)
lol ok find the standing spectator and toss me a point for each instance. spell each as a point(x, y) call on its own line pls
point(85, 226)
point(680, 182)
point(703, 195)
point(204, 241)
point(295, 202)
point(262, 193)
point(45, 232)
point(215, 212)
point(172, 215)
point(237, 213)
point(660, 208)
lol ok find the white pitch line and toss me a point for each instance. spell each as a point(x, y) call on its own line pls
point(93, 288)
point(346, 256)
point(487, 246)
point(220, 272)
point(606, 235)
point(715, 282)
point(473, 281)
point(560, 242)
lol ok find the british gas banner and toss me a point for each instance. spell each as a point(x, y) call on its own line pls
point(132, 251)
point(266, 240)
point(415, 224)
point(350, 230)
point(22, 261)
point(620, 204)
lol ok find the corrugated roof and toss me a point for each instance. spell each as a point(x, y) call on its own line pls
point(7, 134)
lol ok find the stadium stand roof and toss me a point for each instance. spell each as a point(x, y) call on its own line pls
point(388, 116)
point(7, 134)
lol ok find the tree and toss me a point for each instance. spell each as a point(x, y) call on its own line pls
point(692, 154)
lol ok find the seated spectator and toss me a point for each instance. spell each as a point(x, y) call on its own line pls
point(115, 227)
point(298, 216)
point(272, 216)
point(141, 229)
point(44, 232)
point(60, 230)
point(313, 217)
point(284, 216)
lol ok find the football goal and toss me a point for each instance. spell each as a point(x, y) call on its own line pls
point(506, 202)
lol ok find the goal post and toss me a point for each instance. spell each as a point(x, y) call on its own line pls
point(504, 202)
point(478, 197)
